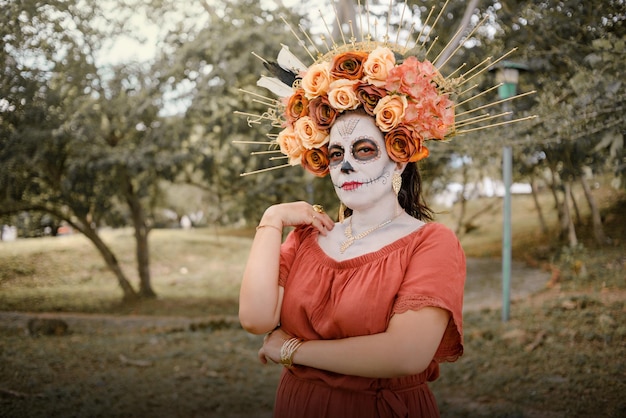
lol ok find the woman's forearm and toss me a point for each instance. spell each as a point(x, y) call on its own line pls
point(407, 347)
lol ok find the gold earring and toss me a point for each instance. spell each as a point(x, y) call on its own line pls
point(396, 182)
point(342, 209)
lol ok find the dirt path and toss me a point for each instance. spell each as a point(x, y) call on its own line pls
point(483, 289)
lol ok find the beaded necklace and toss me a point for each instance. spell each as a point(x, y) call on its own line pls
point(351, 238)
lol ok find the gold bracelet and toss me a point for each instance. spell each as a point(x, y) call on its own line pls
point(288, 350)
point(269, 226)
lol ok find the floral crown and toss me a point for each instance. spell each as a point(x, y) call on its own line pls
point(409, 99)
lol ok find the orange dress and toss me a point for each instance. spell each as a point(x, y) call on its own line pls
point(328, 299)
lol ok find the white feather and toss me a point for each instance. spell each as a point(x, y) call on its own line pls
point(289, 61)
point(274, 85)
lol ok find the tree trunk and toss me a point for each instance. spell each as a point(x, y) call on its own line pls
point(567, 217)
point(542, 221)
point(579, 220)
point(460, 33)
point(82, 225)
point(346, 12)
point(111, 261)
point(553, 188)
point(459, 226)
point(598, 230)
point(141, 240)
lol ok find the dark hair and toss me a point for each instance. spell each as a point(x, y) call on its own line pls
point(409, 197)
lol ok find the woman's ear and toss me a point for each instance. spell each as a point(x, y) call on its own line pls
point(400, 167)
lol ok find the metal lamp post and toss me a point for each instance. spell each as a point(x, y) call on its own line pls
point(507, 75)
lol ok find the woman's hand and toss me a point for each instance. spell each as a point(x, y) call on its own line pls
point(272, 343)
point(295, 214)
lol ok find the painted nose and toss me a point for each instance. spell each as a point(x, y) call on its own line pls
point(346, 167)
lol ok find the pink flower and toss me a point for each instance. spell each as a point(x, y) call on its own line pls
point(413, 78)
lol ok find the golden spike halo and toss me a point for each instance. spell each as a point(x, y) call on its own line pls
point(303, 136)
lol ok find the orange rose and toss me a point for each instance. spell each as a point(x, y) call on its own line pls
point(297, 106)
point(369, 96)
point(315, 161)
point(322, 113)
point(290, 145)
point(404, 145)
point(342, 95)
point(316, 80)
point(389, 112)
point(308, 134)
point(377, 66)
point(348, 65)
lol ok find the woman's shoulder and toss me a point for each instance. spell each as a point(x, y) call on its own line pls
point(439, 229)
point(435, 235)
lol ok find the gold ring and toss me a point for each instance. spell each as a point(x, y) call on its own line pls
point(318, 208)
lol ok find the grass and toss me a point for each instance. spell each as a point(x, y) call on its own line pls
point(562, 354)
point(193, 271)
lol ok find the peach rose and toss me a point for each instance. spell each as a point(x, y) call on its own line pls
point(308, 134)
point(322, 113)
point(389, 112)
point(290, 145)
point(315, 161)
point(316, 81)
point(369, 96)
point(377, 66)
point(348, 65)
point(342, 95)
point(403, 145)
point(297, 106)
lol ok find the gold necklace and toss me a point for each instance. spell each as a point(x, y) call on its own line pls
point(351, 238)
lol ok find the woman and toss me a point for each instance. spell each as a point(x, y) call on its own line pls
point(373, 302)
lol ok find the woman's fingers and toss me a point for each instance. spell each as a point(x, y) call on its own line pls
point(298, 213)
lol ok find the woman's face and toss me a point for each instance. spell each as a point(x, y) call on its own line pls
point(360, 168)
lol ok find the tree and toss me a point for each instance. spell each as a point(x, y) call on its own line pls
point(216, 60)
point(580, 89)
point(80, 142)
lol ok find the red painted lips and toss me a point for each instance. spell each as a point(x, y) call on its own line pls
point(351, 185)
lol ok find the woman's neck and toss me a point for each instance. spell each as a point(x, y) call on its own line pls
point(375, 214)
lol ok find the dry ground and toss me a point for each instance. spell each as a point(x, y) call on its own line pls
point(181, 366)
point(561, 354)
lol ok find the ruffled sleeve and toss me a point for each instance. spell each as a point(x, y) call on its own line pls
point(288, 251)
point(435, 276)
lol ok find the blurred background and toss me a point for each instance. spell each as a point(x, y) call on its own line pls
point(120, 186)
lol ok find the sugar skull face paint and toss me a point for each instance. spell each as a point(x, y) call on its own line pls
point(359, 165)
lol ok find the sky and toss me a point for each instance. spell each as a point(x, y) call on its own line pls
point(126, 49)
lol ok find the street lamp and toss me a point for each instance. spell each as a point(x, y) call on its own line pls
point(507, 75)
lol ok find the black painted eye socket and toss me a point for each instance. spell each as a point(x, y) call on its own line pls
point(365, 149)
